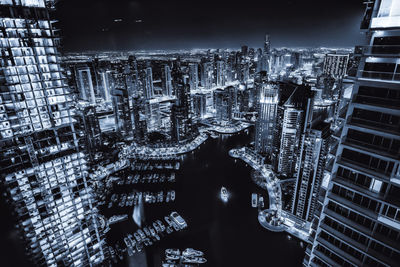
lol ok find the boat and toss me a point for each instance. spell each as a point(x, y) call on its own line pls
point(192, 252)
point(172, 251)
point(172, 257)
point(254, 200)
point(261, 202)
point(192, 259)
point(168, 220)
point(224, 194)
point(178, 220)
point(156, 227)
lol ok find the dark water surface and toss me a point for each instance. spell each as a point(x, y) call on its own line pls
point(228, 233)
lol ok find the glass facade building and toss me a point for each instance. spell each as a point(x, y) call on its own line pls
point(42, 168)
point(359, 223)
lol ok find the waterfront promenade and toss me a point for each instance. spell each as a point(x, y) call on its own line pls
point(274, 218)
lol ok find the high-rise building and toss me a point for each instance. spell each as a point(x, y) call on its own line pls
point(85, 84)
point(220, 73)
point(260, 81)
point(134, 73)
point(199, 105)
point(193, 76)
point(42, 167)
point(267, 44)
point(231, 68)
point(206, 75)
point(122, 113)
point(264, 60)
point(105, 84)
point(153, 115)
point(285, 91)
point(297, 113)
point(181, 125)
point(296, 60)
point(245, 50)
point(88, 128)
point(335, 65)
point(267, 112)
point(167, 81)
point(139, 116)
point(359, 222)
point(149, 87)
point(314, 149)
point(223, 105)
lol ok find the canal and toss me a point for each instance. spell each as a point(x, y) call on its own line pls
point(228, 233)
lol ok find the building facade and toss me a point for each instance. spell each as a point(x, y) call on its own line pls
point(42, 167)
point(265, 125)
point(359, 222)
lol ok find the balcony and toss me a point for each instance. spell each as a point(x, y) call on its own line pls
point(344, 238)
point(351, 164)
point(342, 254)
point(377, 101)
point(374, 125)
point(380, 75)
point(352, 206)
point(391, 153)
point(362, 229)
point(377, 50)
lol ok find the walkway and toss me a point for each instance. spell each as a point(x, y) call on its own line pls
point(169, 152)
point(226, 129)
point(274, 219)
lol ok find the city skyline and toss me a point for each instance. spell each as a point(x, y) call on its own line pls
point(123, 156)
point(160, 25)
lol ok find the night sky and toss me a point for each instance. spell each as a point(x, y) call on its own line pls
point(163, 24)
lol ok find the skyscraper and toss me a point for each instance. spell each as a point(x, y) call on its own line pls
point(297, 113)
point(88, 127)
point(199, 105)
point(42, 167)
point(285, 90)
point(263, 62)
point(106, 84)
point(149, 87)
point(122, 114)
point(167, 81)
point(193, 76)
point(134, 73)
point(153, 115)
point(220, 74)
point(267, 112)
point(359, 224)
point(85, 84)
point(139, 116)
point(335, 65)
point(180, 111)
point(206, 75)
point(260, 81)
point(223, 105)
point(311, 171)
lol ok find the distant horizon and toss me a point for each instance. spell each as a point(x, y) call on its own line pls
point(204, 49)
point(134, 25)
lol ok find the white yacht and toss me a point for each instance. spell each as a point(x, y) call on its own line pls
point(224, 194)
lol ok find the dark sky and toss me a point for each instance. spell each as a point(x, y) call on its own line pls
point(165, 24)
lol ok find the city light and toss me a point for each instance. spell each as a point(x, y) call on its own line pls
point(111, 155)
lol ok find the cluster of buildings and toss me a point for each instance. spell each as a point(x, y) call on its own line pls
point(331, 129)
point(341, 148)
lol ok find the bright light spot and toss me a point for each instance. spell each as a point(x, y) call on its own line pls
point(224, 195)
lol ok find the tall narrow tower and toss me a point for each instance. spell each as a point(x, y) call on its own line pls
point(267, 112)
point(359, 224)
point(41, 164)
